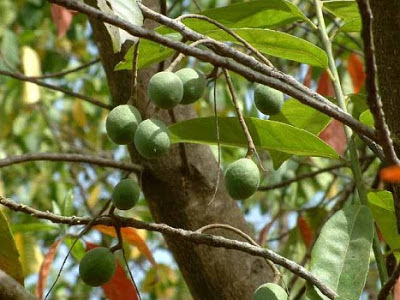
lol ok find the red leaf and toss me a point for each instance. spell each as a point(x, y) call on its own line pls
point(390, 174)
point(307, 79)
point(131, 236)
point(334, 135)
point(305, 230)
point(120, 287)
point(356, 71)
point(396, 290)
point(45, 268)
point(62, 17)
point(325, 85)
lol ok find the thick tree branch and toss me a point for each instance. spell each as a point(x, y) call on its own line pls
point(192, 236)
point(11, 289)
point(248, 67)
point(69, 157)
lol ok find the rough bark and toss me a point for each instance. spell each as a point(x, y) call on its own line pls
point(11, 289)
point(386, 28)
point(179, 195)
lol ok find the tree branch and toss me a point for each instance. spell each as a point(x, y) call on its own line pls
point(11, 289)
point(69, 157)
point(246, 68)
point(191, 236)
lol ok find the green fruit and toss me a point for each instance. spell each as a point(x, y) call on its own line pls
point(165, 89)
point(121, 124)
point(125, 194)
point(97, 266)
point(194, 84)
point(152, 138)
point(268, 100)
point(242, 178)
point(270, 291)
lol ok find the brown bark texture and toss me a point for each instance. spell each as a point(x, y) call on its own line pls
point(178, 188)
point(386, 35)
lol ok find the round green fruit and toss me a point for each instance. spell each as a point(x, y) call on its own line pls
point(270, 291)
point(97, 266)
point(242, 178)
point(268, 100)
point(152, 138)
point(125, 194)
point(165, 89)
point(121, 124)
point(194, 84)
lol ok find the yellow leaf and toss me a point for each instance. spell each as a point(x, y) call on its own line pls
point(31, 67)
point(94, 196)
point(29, 253)
point(78, 113)
point(131, 236)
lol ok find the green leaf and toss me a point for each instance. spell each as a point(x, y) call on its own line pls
point(277, 44)
point(382, 207)
point(31, 227)
point(340, 257)
point(9, 256)
point(301, 116)
point(79, 249)
point(367, 118)
point(346, 10)
point(10, 50)
point(267, 135)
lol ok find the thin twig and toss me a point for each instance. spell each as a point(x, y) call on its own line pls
point(55, 88)
point(181, 56)
point(134, 86)
point(194, 237)
point(230, 32)
point(387, 287)
point(69, 157)
point(277, 274)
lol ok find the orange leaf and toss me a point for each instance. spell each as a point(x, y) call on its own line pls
point(62, 17)
point(356, 71)
point(131, 236)
point(45, 268)
point(334, 135)
point(305, 230)
point(390, 174)
point(120, 287)
point(307, 79)
point(325, 86)
point(396, 290)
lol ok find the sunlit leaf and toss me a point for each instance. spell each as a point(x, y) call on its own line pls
point(390, 174)
point(31, 67)
point(367, 118)
point(29, 253)
point(78, 113)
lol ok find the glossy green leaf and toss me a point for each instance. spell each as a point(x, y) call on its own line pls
point(367, 118)
point(382, 207)
point(254, 14)
point(278, 44)
point(268, 135)
point(301, 116)
point(340, 257)
point(346, 10)
point(9, 256)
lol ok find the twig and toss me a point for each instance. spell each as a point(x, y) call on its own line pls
point(133, 98)
point(251, 149)
point(230, 32)
point(246, 66)
point(195, 237)
point(387, 287)
point(55, 88)
point(277, 274)
point(69, 157)
point(11, 289)
point(181, 56)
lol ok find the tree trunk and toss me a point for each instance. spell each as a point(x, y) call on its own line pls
point(386, 28)
point(179, 187)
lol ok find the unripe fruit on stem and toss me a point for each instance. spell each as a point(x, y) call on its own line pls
point(165, 89)
point(125, 194)
point(270, 291)
point(194, 84)
point(97, 266)
point(152, 138)
point(268, 100)
point(242, 178)
point(121, 124)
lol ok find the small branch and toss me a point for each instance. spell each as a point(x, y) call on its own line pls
point(230, 32)
point(194, 237)
point(55, 88)
point(300, 177)
point(134, 86)
point(387, 287)
point(277, 274)
point(251, 149)
point(69, 157)
point(11, 289)
point(181, 56)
